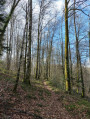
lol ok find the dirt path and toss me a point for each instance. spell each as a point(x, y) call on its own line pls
point(47, 87)
point(55, 109)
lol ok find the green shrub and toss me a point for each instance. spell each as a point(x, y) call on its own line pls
point(57, 82)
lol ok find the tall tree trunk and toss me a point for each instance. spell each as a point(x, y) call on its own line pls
point(43, 52)
point(38, 43)
point(77, 50)
point(19, 66)
point(25, 58)
point(62, 53)
point(47, 59)
point(89, 40)
point(17, 51)
point(7, 48)
point(70, 62)
point(82, 81)
point(10, 46)
point(28, 73)
point(67, 76)
point(39, 55)
point(38, 68)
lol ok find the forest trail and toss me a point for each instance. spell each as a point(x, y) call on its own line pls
point(56, 109)
point(36, 102)
point(47, 86)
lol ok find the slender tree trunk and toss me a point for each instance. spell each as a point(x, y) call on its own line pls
point(37, 65)
point(82, 81)
point(26, 36)
point(77, 50)
point(89, 40)
point(70, 62)
point(47, 60)
point(17, 51)
point(28, 73)
point(19, 66)
point(39, 55)
point(10, 47)
point(50, 51)
point(62, 55)
point(67, 77)
point(7, 48)
point(43, 52)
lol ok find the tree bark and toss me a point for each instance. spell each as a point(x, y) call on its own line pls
point(19, 66)
point(28, 73)
point(77, 50)
point(67, 76)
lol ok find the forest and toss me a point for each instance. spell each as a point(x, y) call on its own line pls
point(44, 59)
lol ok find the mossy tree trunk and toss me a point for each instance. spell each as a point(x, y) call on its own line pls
point(67, 75)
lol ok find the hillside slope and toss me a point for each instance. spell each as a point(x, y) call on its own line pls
point(39, 101)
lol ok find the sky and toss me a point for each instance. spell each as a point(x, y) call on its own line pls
point(57, 3)
point(57, 6)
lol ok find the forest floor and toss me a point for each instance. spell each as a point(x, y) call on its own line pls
point(40, 101)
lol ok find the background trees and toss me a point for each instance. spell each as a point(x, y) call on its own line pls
point(7, 18)
point(2, 20)
point(47, 42)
